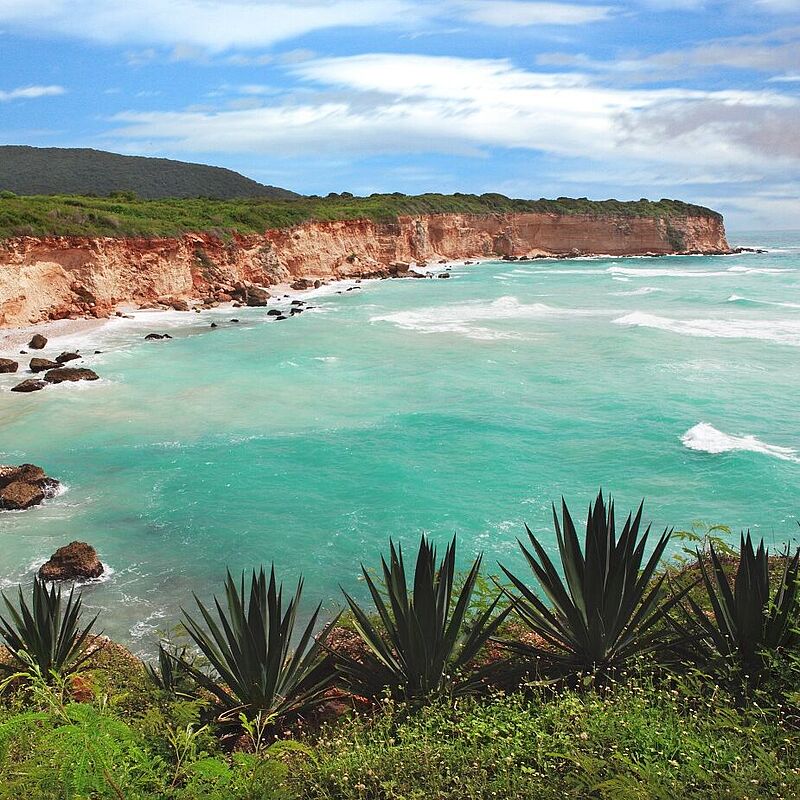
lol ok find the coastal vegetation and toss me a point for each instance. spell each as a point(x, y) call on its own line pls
point(613, 674)
point(126, 215)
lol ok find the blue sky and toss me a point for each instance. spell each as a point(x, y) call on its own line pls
point(696, 99)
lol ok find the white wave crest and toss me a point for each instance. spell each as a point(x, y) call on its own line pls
point(636, 292)
point(736, 298)
point(707, 439)
point(461, 318)
point(778, 331)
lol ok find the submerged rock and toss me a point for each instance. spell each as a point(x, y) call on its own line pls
point(152, 337)
point(29, 385)
point(42, 364)
point(75, 561)
point(72, 374)
point(274, 312)
point(8, 365)
point(65, 357)
point(24, 486)
point(37, 342)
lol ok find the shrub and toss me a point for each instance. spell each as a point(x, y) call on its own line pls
point(606, 608)
point(45, 632)
point(422, 646)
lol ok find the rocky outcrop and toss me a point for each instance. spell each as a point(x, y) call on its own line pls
point(8, 365)
point(29, 385)
point(71, 374)
point(24, 486)
point(59, 277)
point(73, 562)
point(42, 364)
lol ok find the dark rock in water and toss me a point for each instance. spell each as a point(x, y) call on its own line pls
point(274, 312)
point(42, 364)
point(444, 274)
point(72, 374)
point(73, 562)
point(234, 320)
point(256, 296)
point(302, 283)
point(280, 317)
point(37, 342)
point(317, 284)
point(152, 337)
point(213, 324)
point(64, 357)
point(8, 365)
point(23, 352)
point(29, 385)
point(18, 496)
point(297, 303)
point(24, 486)
point(98, 352)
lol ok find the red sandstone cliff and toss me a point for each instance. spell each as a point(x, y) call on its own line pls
point(50, 278)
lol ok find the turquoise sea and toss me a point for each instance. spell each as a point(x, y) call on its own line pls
point(464, 405)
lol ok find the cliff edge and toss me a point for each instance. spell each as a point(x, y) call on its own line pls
point(56, 277)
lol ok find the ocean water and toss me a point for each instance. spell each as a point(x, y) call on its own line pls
point(448, 406)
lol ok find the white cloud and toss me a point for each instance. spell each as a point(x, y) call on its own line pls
point(213, 25)
point(519, 13)
point(386, 103)
point(31, 92)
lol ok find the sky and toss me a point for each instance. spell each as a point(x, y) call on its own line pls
point(691, 99)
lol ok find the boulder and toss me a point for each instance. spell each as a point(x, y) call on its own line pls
point(297, 303)
point(302, 283)
point(73, 562)
point(274, 312)
point(8, 365)
point(152, 337)
point(37, 342)
point(213, 325)
point(42, 364)
point(24, 486)
point(281, 316)
point(71, 374)
point(20, 495)
point(29, 385)
point(317, 284)
point(234, 320)
point(64, 357)
point(256, 296)
point(444, 275)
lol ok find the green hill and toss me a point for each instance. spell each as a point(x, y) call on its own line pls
point(57, 170)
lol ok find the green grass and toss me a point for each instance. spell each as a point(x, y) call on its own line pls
point(128, 217)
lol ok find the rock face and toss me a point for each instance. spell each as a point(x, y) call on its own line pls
point(8, 365)
point(58, 277)
point(24, 486)
point(70, 374)
point(42, 364)
point(73, 562)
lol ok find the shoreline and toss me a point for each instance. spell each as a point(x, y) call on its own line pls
point(15, 338)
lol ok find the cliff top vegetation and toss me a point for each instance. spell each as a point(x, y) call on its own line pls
point(125, 215)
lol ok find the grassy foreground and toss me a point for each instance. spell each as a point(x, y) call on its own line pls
point(124, 215)
point(609, 674)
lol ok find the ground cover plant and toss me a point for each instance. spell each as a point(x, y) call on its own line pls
point(127, 216)
point(296, 722)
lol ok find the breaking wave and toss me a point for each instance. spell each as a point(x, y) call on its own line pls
point(706, 438)
point(461, 318)
point(748, 301)
point(778, 331)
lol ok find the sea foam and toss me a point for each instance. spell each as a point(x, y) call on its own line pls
point(778, 331)
point(707, 439)
point(462, 318)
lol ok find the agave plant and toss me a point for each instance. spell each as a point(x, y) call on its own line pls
point(745, 625)
point(424, 642)
point(607, 607)
point(169, 674)
point(249, 646)
point(47, 630)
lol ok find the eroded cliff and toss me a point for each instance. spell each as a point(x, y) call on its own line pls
point(58, 277)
